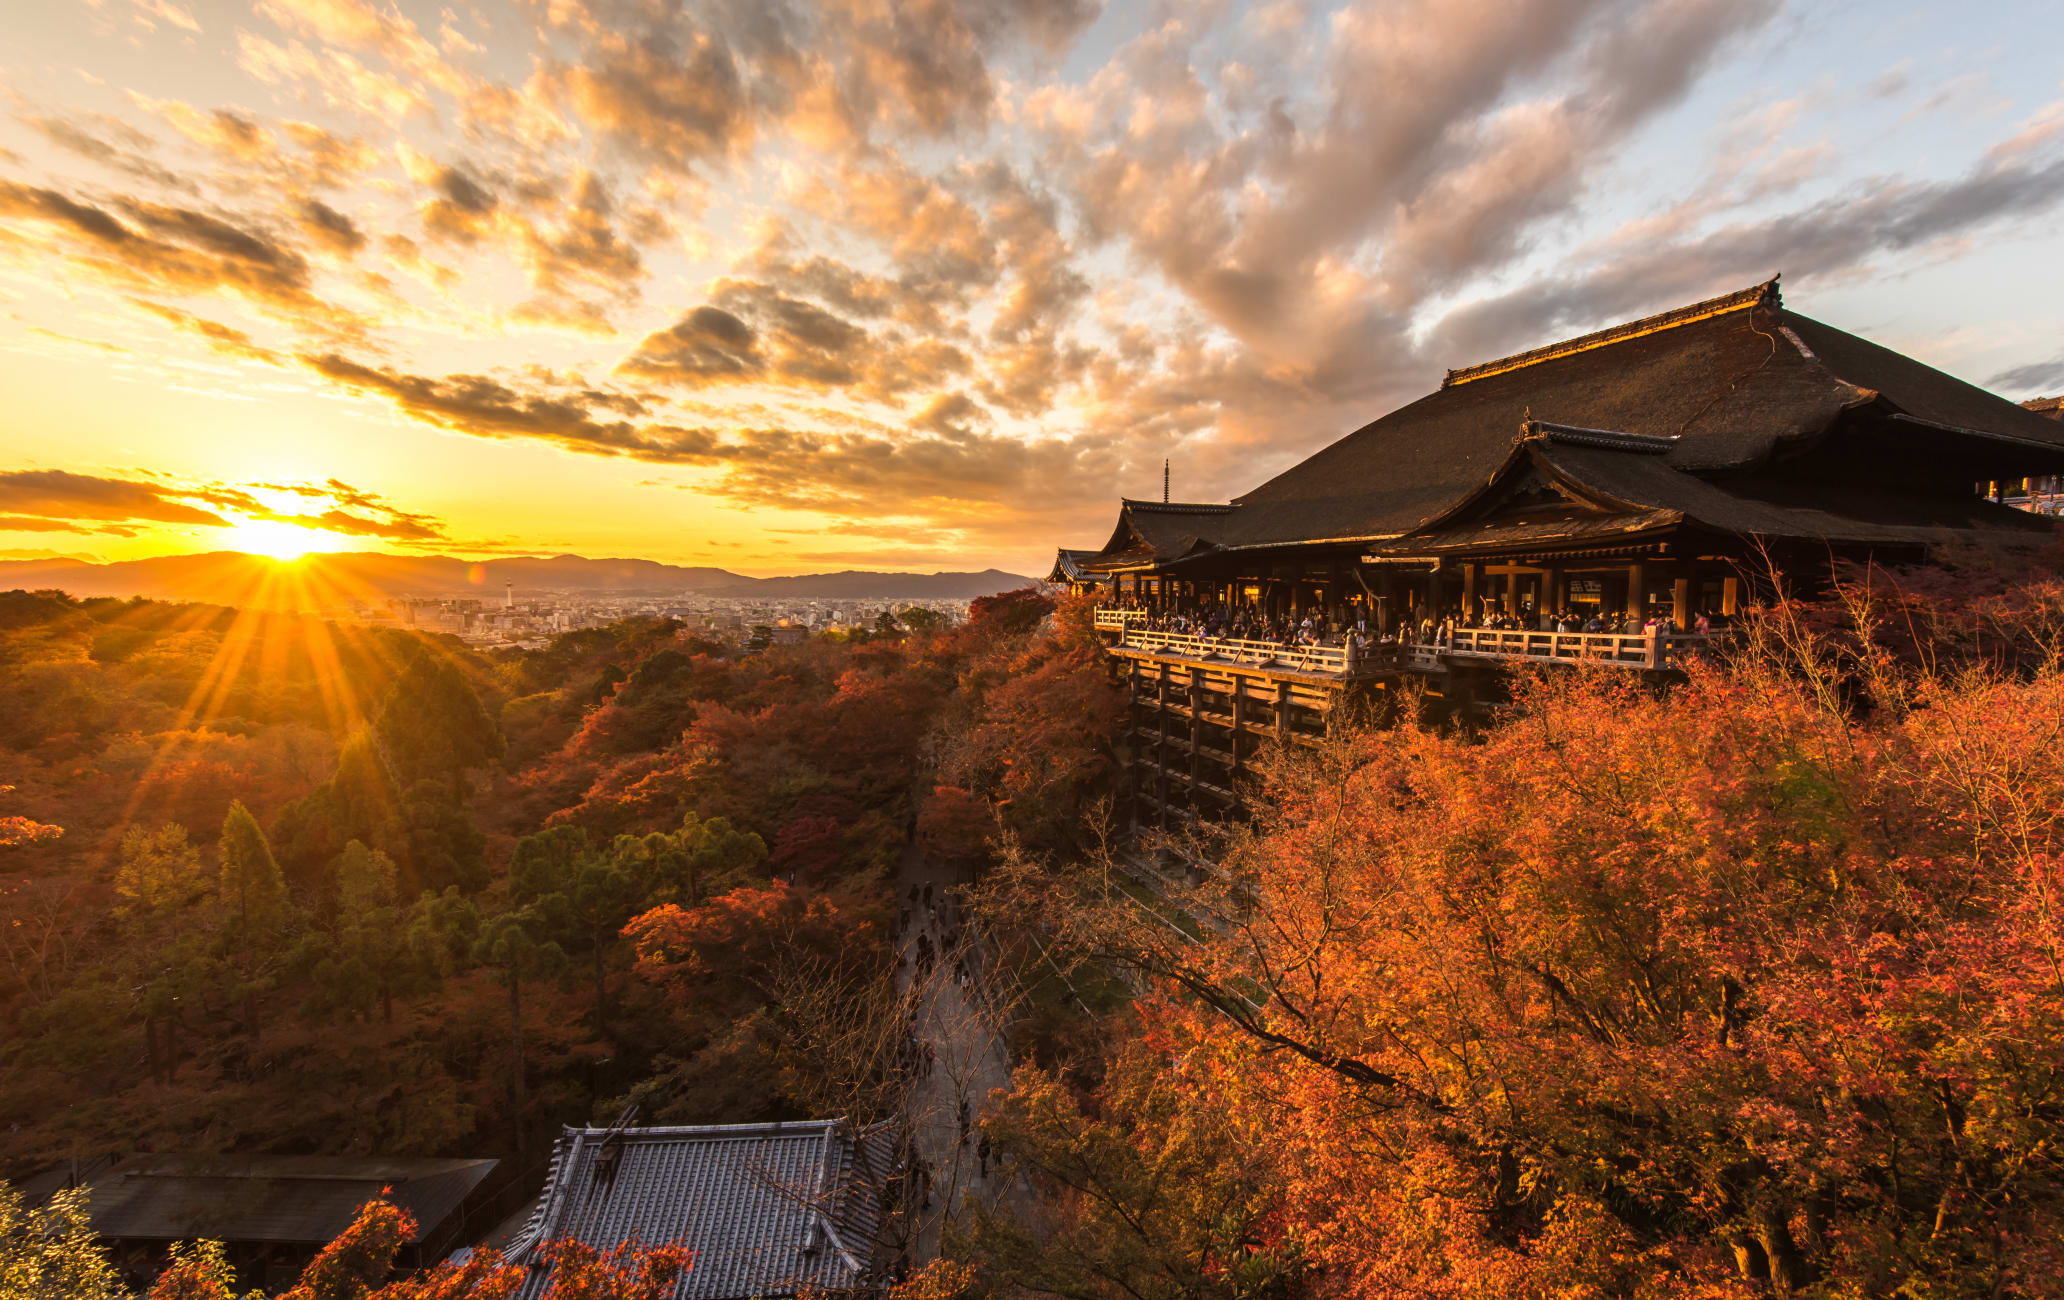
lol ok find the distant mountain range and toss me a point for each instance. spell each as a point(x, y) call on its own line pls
point(318, 581)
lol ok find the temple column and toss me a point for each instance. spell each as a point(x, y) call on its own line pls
point(1468, 592)
point(1680, 604)
point(1730, 595)
point(1637, 591)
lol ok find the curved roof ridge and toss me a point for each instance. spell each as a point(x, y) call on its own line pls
point(1176, 507)
point(1754, 295)
point(1574, 435)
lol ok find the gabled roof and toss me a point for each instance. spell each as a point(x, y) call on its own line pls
point(1737, 383)
point(768, 1209)
point(1151, 532)
point(1611, 487)
point(302, 1200)
point(1067, 565)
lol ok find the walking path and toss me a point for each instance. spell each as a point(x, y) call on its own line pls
point(968, 1058)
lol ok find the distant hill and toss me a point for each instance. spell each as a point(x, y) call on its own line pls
point(855, 584)
point(317, 581)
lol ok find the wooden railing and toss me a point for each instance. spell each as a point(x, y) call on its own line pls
point(1644, 650)
point(1640, 650)
point(1262, 654)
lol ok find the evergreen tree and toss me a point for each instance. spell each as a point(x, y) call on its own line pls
point(432, 725)
point(510, 943)
point(253, 897)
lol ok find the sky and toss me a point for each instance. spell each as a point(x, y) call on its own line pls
point(923, 284)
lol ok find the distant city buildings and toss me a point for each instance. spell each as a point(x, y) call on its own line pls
point(532, 619)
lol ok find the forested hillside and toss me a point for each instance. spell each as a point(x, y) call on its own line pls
point(281, 885)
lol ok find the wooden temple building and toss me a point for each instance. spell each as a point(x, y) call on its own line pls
point(1651, 473)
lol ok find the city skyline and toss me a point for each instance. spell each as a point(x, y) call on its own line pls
point(784, 289)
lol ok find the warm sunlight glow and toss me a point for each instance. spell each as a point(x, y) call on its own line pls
point(279, 541)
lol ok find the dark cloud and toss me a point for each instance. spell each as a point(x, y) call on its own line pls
point(115, 145)
point(583, 263)
point(1836, 235)
point(33, 524)
point(178, 249)
point(60, 494)
point(462, 207)
point(485, 407)
point(671, 101)
point(751, 331)
point(2041, 377)
point(329, 227)
point(708, 345)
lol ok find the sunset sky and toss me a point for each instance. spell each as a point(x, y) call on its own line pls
point(787, 286)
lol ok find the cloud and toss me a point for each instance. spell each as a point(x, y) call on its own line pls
point(488, 408)
point(115, 145)
point(175, 249)
point(63, 495)
point(670, 102)
point(225, 339)
point(2037, 377)
point(752, 331)
point(329, 227)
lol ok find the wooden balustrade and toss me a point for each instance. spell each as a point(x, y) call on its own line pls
point(1643, 650)
point(1306, 658)
point(1640, 651)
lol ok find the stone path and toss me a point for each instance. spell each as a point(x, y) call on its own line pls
point(969, 1060)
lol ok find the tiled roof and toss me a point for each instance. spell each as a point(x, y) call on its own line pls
point(1732, 387)
point(287, 1199)
point(1067, 565)
point(767, 1208)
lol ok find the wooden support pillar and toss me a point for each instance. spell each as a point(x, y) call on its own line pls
point(1552, 599)
point(1386, 611)
point(1680, 604)
point(1730, 595)
point(1239, 721)
point(1139, 755)
point(1469, 592)
point(1637, 591)
point(1196, 725)
point(1282, 713)
point(1161, 744)
point(1511, 594)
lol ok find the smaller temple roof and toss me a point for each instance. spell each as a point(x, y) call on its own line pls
point(1562, 486)
point(768, 1209)
point(2050, 408)
point(1153, 532)
point(299, 1200)
point(1067, 565)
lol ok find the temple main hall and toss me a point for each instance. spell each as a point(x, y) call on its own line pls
point(1616, 498)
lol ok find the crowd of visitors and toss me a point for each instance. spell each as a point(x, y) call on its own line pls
point(1353, 629)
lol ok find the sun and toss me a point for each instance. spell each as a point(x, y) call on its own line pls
point(282, 542)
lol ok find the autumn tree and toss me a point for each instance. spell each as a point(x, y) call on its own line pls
point(1738, 990)
point(360, 1264)
point(1157, 1194)
point(52, 1251)
point(17, 830)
